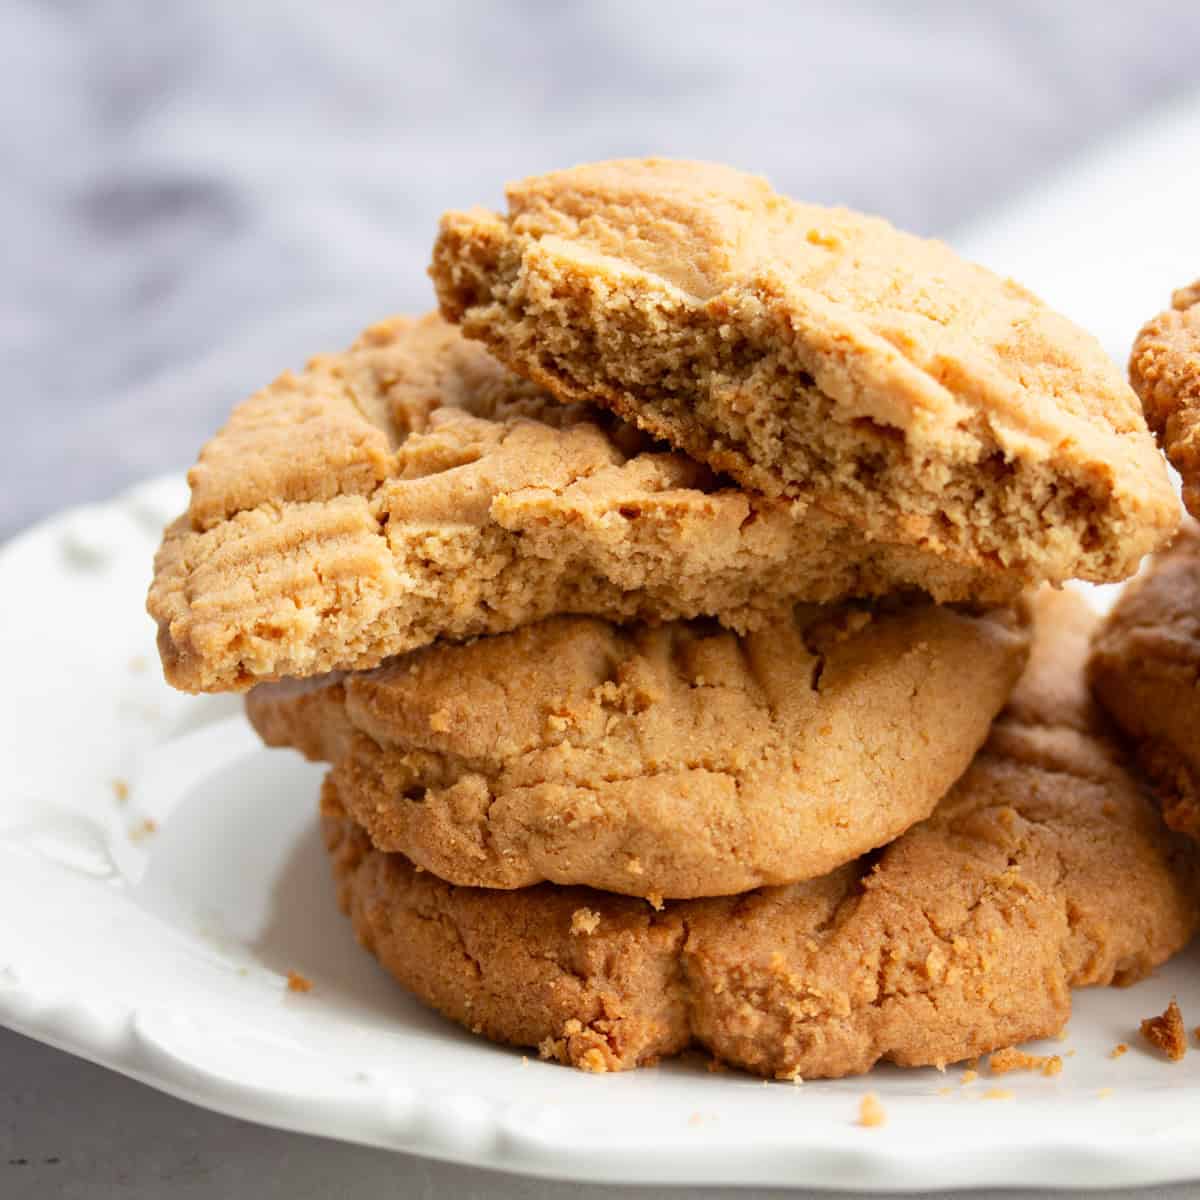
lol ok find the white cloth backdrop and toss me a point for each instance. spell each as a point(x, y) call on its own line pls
point(196, 195)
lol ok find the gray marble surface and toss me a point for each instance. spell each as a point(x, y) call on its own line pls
point(196, 195)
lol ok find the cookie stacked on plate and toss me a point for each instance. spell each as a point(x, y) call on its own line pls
point(653, 605)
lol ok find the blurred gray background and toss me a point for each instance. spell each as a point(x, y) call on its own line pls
point(196, 195)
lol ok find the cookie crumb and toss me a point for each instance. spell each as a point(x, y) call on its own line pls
point(1012, 1059)
point(137, 664)
point(1166, 1032)
point(584, 920)
point(970, 1075)
point(1119, 1049)
point(143, 829)
point(655, 900)
point(999, 1094)
point(871, 1114)
point(120, 789)
point(695, 1119)
point(524, 1060)
point(945, 1091)
point(593, 1060)
point(1104, 1093)
point(298, 983)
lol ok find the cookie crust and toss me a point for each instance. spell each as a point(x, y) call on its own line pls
point(670, 761)
point(1047, 867)
point(820, 354)
point(410, 488)
point(1164, 368)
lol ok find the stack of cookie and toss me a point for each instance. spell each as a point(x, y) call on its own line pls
point(658, 607)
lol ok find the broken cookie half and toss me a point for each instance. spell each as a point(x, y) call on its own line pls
point(411, 489)
point(818, 354)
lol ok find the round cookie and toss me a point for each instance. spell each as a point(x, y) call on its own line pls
point(677, 760)
point(1164, 368)
point(1145, 669)
point(1047, 867)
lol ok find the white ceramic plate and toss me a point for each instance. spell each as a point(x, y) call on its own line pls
point(163, 954)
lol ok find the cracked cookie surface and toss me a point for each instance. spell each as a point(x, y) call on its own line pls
point(1164, 368)
point(676, 760)
point(1145, 669)
point(821, 354)
point(1047, 867)
point(411, 488)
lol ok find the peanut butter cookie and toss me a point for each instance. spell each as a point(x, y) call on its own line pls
point(411, 488)
point(1145, 669)
point(819, 354)
point(676, 760)
point(1165, 370)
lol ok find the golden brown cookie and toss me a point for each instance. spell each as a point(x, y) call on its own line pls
point(411, 488)
point(1165, 370)
point(1145, 669)
point(679, 760)
point(820, 354)
point(1047, 867)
